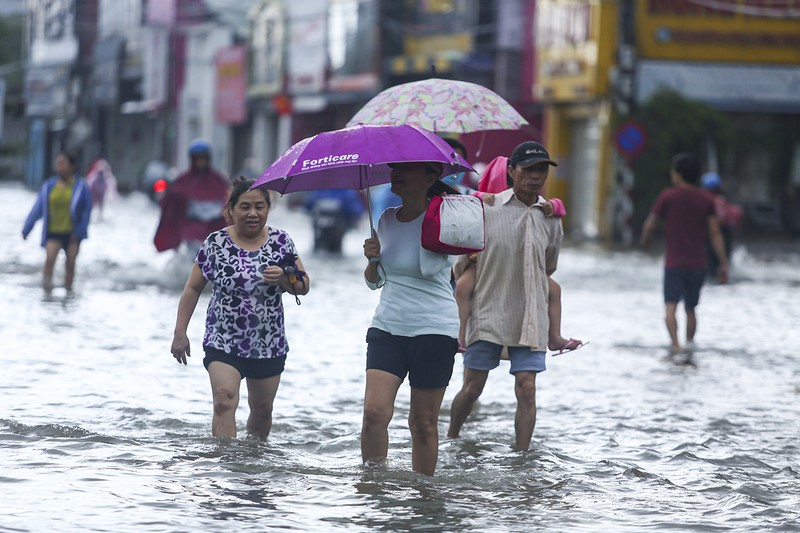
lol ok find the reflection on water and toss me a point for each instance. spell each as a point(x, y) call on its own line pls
point(101, 430)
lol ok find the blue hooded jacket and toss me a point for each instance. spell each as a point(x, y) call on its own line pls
point(80, 209)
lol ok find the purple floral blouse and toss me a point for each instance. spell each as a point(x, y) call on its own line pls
point(245, 314)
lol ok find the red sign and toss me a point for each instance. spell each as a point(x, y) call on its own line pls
point(231, 86)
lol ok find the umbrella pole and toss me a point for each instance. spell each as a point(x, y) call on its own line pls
point(369, 203)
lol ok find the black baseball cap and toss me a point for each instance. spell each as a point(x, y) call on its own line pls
point(530, 153)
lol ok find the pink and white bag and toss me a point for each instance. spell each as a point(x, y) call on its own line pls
point(454, 225)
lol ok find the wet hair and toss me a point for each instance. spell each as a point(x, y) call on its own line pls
point(71, 157)
point(242, 185)
point(688, 166)
point(434, 167)
point(430, 167)
point(457, 145)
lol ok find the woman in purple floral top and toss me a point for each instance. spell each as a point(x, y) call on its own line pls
point(244, 336)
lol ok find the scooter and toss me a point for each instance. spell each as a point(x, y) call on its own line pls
point(330, 224)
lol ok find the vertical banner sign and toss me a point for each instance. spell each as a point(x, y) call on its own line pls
point(231, 85)
point(156, 52)
point(308, 55)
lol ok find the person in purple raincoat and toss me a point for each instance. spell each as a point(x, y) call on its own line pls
point(250, 265)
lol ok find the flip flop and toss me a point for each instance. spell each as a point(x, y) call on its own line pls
point(570, 346)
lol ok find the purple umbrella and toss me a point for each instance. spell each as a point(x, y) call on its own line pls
point(356, 158)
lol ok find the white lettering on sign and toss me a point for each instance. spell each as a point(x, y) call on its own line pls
point(329, 160)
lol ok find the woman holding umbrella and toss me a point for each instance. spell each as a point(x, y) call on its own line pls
point(415, 327)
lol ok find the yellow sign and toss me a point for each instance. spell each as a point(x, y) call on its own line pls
point(742, 31)
point(575, 44)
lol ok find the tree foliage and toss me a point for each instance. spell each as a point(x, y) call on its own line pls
point(673, 124)
point(11, 32)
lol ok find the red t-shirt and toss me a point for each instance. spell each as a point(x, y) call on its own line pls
point(684, 212)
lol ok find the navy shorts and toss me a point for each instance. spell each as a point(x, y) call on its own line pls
point(247, 367)
point(683, 284)
point(427, 359)
point(62, 238)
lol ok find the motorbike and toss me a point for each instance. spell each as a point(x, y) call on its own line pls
point(333, 214)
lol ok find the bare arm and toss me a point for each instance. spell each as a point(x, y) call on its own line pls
point(718, 244)
point(650, 225)
point(188, 302)
point(553, 250)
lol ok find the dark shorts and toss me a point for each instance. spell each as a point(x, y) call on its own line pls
point(62, 238)
point(427, 359)
point(247, 367)
point(683, 284)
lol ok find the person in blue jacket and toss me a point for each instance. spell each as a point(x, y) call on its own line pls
point(64, 203)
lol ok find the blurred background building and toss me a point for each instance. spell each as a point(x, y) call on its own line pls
point(612, 87)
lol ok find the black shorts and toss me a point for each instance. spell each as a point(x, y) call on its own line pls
point(427, 359)
point(247, 367)
point(683, 284)
point(63, 239)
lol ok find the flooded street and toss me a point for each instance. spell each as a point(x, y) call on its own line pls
point(101, 430)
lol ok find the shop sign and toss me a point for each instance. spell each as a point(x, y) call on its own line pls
point(52, 31)
point(45, 91)
point(308, 59)
point(231, 85)
point(266, 74)
point(756, 31)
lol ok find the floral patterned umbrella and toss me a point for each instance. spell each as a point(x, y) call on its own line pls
point(442, 106)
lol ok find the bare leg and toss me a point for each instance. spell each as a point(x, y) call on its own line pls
point(423, 421)
point(474, 381)
point(691, 324)
point(379, 396)
point(261, 397)
point(465, 285)
point(525, 419)
point(51, 249)
point(672, 326)
point(556, 341)
point(72, 255)
point(225, 382)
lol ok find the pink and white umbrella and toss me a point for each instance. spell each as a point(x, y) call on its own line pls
point(442, 106)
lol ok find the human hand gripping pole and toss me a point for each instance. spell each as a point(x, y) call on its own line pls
point(372, 251)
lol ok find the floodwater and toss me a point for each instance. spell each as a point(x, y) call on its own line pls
point(101, 430)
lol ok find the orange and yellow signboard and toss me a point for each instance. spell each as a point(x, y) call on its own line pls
point(742, 31)
point(575, 46)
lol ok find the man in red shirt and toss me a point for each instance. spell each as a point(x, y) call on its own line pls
point(689, 218)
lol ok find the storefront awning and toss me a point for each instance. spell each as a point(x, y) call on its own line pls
point(740, 87)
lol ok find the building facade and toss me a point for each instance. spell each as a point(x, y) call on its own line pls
point(743, 59)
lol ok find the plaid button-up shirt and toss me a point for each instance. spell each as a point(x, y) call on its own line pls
point(509, 303)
